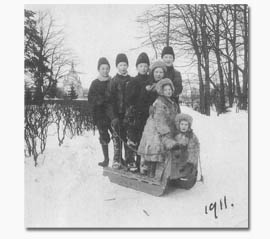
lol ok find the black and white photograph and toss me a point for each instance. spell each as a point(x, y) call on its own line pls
point(136, 116)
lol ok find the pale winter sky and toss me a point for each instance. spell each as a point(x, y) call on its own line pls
point(93, 31)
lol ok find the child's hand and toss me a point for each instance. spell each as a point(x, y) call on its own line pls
point(148, 87)
point(151, 87)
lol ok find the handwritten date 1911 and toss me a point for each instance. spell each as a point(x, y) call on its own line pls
point(215, 206)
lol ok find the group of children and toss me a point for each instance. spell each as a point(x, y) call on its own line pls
point(120, 105)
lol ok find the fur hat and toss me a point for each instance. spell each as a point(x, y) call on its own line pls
point(103, 60)
point(121, 58)
point(185, 117)
point(160, 84)
point(158, 64)
point(143, 58)
point(167, 50)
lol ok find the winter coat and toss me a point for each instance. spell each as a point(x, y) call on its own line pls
point(176, 78)
point(192, 146)
point(117, 94)
point(138, 97)
point(159, 130)
point(135, 92)
point(137, 110)
point(98, 100)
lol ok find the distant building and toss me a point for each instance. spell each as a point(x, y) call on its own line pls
point(72, 79)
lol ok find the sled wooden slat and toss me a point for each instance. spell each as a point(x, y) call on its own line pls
point(136, 181)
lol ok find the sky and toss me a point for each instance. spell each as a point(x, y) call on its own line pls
point(94, 31)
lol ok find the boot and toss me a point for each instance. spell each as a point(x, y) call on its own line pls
point(117, 152)
point(152, 169)
point(105, 151)
point(138, 162)
point(130, 159)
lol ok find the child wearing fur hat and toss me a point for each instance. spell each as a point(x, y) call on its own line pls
point(117, 93)
point(149, 93)
point(168, 58)
point(159, 130)
point(99, 107)
point(157, 72)
point(189, 146)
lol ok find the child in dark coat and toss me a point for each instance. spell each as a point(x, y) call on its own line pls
point(168, 57)
point(136, 115)
point(99, 106)
point(117, 94)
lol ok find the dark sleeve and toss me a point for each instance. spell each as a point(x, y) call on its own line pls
point(94, 95)
point(178, 84)
point(111, 95)
point(92, 98)
point(132, 92)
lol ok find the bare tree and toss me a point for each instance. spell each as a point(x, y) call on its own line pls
point(214, 38)
point(52, 57)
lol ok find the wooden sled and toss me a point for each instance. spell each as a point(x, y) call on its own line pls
point(154, 186)
point(136, 181)
point(167, 174)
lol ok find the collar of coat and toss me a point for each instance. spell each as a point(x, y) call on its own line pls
point(188, 133)
point(102, 78)
point(166, 100)
point(122, 74)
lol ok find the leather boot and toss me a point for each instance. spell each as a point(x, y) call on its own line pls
point(117, 150)
point(105, 150)
point(152, 169)
point(129, 155)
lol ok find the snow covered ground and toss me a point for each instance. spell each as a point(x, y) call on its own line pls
point(67, 189)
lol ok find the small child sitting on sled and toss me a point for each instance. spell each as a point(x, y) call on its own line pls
point(186, 153)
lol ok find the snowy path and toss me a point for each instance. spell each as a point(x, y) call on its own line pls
point(68, 190)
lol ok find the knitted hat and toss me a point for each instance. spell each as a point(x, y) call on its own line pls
point(158, 64)
point(160, 84)
point(143, 58)
point(184, 117)
point(167, 50)
point(121, 58)
point(103, 60)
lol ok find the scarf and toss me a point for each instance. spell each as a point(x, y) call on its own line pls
point(122, 74)
point(102, 78)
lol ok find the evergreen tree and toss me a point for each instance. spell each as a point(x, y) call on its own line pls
point(31, 40)
point(73, 94)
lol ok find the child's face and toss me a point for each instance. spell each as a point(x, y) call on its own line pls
point(104, 70)
point(184, 126)
point(142, 68)
point(122, 67)
point(167, 91)
point(158, 74)
point(168, 59)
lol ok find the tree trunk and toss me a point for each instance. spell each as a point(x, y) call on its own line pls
point(246, 61)
point(230, 78)
point(235, 68)
point(220, 70)
point(206, 59)
point(201, 85)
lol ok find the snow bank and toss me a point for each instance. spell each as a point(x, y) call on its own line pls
point(67, 189)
